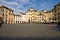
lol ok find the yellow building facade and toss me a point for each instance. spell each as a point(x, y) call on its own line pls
point(46, 16)
point(33, 15)
point(56, 11)
point(7, 14)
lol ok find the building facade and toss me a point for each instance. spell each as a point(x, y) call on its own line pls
point(17, 18)
point(46, 16)
point(56, 14)
point(24, 18)
point(7, 14)
point(33, 15)
point(1, 12)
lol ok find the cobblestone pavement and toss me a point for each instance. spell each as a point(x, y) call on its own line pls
point(29, 30)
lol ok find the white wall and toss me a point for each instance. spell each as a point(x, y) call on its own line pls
point(17, 19)
point(24, 18)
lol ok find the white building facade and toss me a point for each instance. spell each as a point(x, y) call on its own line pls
point(17, 18)
point(24, 18)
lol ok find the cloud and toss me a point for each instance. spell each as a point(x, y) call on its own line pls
point(12, 4)
point(17, 11)
point(23, 1)
point(33, 0)
point(9, 3)
point(45, 6)
point(17, 5)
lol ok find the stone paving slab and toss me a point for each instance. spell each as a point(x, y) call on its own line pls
point(29, 30)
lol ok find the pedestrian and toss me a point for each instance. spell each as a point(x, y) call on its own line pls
point(1, 21)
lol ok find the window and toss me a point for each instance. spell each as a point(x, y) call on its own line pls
point(6, 14)
point(58, 17)
point(45, 20)
point(16, 21)
point(58, 9)
point(9, 10)
point(33, 16)
point(55, 10)
point(49, 18)
point(55, 14)
point(40, 14)
point(3, 14)
point(9, 20)
point(31, 11)
point(6, 11)
point(45, 15)
point(58, 13)
point(29, 14)
point(6, 21)
point(55, 18)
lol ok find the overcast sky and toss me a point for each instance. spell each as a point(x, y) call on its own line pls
point(24, 5)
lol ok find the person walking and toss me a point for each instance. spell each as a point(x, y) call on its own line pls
point(1, 21)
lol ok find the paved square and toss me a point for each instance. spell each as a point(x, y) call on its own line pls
point(29, 30)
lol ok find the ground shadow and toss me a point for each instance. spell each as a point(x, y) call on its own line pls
point(29, 38)
point(58, 27)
